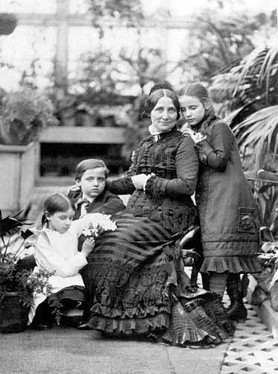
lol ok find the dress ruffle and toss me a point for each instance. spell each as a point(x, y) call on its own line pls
point(240, 264)
point(202, 321)
point(130, 326)
point(183, 331)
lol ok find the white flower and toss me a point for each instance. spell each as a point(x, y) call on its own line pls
point(102, 223)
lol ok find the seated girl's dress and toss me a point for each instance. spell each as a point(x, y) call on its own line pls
point(135, 275)
point(58, 254)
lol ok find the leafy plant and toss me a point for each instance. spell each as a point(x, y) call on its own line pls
point(22, 115)
point(248, 86)
point(257, 137)
point(14, 278)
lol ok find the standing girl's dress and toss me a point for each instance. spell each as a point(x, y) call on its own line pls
point(228, 215)
point(134, 272)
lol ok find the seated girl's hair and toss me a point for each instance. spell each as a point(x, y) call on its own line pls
point(89, 164)
point(57, 202)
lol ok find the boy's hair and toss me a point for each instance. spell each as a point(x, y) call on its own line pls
point(57, 202)
point(89, 164)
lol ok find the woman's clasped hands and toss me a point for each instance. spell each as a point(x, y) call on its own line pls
point(140, 180)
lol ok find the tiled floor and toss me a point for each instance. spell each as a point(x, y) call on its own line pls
point(252, 348)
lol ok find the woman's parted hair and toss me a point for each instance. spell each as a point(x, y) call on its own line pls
point(57, 202)
point(89, 164)
point(157, 93)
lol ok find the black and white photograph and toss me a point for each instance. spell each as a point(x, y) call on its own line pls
point(138, 186)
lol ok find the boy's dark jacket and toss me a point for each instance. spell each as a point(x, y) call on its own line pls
point(106, 203)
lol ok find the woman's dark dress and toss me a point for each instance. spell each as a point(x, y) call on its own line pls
point(133, 271)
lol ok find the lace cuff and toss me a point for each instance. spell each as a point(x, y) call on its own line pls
point(155, 187)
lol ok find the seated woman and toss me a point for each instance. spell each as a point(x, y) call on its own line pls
point(135, 275)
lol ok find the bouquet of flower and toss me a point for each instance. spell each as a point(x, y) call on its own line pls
point(102, 223)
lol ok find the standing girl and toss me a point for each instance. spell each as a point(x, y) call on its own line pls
point(56, 252)
point(228, 219)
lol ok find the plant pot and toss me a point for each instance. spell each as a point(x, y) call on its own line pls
point(19, 165)
point(13, 314)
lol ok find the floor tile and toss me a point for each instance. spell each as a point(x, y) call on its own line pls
point(252, 349)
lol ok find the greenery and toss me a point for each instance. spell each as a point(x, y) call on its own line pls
point(219, 39)
point(13, 277)
point(22, 116)
point(108, 13)
point(248, 95)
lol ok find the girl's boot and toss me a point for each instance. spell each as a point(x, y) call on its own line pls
point(236, 311)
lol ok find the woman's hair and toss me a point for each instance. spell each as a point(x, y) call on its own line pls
point(89, 164)
point(156, 93)
point(165, 86)
point(199, 91)
point(57, 202)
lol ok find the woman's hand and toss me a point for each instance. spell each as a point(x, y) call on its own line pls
point(140, 180)
point(88, 246)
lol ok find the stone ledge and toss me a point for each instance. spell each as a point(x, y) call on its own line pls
point(268, 316)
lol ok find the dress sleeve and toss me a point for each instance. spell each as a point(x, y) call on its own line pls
point(49, 259)
point(112, 205)
point(217, 150)
point(125, 185)
point(121, 186)
point(186, 163)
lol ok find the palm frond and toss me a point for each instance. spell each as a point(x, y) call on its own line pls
point(258, 133)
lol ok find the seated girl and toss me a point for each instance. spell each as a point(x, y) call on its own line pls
point(56, 251)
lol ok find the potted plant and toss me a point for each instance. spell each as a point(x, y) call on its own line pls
point(17, 284)
point(23, 114)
